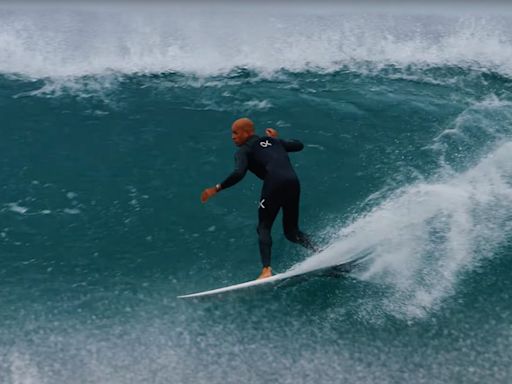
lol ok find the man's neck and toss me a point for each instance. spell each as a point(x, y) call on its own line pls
point(250, 139)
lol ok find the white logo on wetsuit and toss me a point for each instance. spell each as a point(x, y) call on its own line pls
point(261, 204)
point(265, 144)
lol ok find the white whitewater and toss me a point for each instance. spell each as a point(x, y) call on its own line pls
point(420, 240)
point(71, 41)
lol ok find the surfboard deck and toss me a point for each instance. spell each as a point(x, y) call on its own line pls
point(344, 267)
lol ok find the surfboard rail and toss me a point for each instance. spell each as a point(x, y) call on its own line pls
point(247, 284)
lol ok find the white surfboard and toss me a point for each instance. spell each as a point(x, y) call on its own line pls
point(247, 284)
point(269, 280)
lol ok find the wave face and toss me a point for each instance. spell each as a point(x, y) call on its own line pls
point(115, 118)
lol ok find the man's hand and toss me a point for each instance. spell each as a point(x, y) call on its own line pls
point(271, 132)
point(207, 193)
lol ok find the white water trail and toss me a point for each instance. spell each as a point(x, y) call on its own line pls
point(421, 239)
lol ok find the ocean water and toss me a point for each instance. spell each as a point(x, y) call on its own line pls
point(114, 118)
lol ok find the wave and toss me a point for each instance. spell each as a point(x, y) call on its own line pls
point(206, 40)
point(420, 240)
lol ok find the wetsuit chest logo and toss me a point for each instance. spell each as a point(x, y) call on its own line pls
point(265, 144)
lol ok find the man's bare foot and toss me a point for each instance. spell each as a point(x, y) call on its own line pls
point(265, 272)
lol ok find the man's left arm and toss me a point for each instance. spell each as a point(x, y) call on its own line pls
point(292, 145)
point(289, 145)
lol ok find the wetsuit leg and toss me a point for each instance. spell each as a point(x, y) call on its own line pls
point(291, 217)
point(268, 208)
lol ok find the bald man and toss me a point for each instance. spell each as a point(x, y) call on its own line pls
point(267, 158)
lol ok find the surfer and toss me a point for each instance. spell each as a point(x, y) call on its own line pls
point(267, 157)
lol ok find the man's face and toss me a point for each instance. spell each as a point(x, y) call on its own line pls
point(239, 135)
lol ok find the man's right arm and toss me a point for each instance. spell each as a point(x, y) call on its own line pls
point(241, 166)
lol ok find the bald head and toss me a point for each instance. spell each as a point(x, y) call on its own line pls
point(241, 130)
point(244, 124)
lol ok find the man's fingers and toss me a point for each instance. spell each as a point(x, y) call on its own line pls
point(207, 193)
point(204, 196)
point(271, 132)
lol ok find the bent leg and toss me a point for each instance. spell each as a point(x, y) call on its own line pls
point(291, 219)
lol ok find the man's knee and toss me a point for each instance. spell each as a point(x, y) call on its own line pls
point(300, 238)
point(293, 236)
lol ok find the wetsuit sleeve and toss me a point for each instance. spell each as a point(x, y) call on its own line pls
point(292, 145)
point(241, 164)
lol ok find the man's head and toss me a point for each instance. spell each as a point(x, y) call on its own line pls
point(241, 130)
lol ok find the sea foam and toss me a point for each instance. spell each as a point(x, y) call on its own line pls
point(420, 240)
point(212, 39)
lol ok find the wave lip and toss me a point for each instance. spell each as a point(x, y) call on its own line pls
point(39, 43)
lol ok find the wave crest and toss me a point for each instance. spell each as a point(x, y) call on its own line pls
point(206, 40)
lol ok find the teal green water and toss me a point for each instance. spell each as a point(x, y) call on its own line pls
point(102, 227)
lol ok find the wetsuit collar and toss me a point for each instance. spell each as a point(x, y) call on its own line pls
point(252, 139)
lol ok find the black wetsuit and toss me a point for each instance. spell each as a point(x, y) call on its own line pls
point(268, 159)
